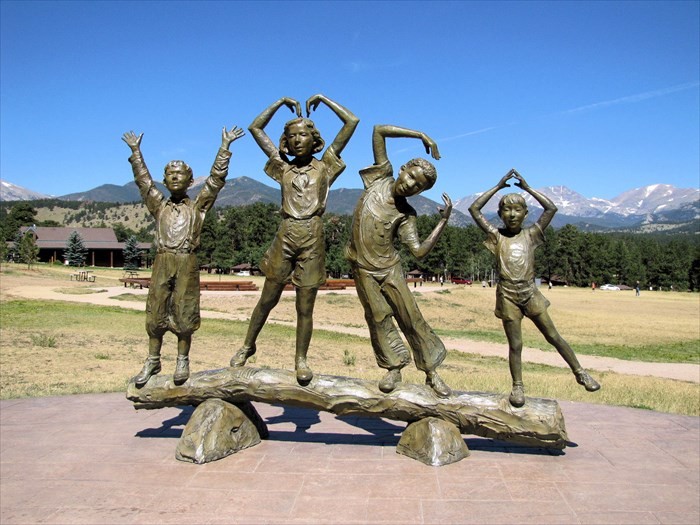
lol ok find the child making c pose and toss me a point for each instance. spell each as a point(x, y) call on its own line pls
point(383, 216)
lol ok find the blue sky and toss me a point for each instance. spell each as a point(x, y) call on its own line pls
point(601, 97)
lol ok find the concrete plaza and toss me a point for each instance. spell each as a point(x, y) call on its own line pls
point(94, 459)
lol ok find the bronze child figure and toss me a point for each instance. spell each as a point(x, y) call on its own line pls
point(516, 293)
point(382, 216)
point(173, 294)
point(298, 249)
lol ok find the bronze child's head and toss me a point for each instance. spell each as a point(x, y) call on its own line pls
point(415, 176)
point(178, 177)
point(512, 209)
point(301, 138)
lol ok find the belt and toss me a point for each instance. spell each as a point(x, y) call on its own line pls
point(306, 218)
point(170, 250)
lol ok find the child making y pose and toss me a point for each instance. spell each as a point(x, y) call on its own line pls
point(173, 295)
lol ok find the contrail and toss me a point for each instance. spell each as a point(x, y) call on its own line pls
point(633, 98)
point(590, 107)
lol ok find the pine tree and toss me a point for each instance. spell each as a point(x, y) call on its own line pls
point(16, 243)
point(132, 254)
point(75, 252)
point(28, 249)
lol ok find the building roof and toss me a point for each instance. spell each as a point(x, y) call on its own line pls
point(93, 238)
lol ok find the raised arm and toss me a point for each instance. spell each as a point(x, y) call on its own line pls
point(350, 121)
point(421, 250)
point(133, 141)
point(150, 194)
point(478, 204)
point(227, 137)
point(257, 127)
point(382, 131)
point(549, 207)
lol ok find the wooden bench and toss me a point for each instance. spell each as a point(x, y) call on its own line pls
point(133, 282)
point(330, 284)
point(347, 283)
point(228, 286)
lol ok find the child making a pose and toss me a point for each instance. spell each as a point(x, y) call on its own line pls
point(517, 294)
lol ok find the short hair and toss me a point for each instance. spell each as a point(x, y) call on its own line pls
point(511, 198)
point(178, 165)
point(319, 143)
point(428, 170)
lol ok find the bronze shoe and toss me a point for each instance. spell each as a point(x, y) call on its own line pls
point(150, 368)
point(390, 380)
point(517, 395)
point(304, 374)
point(584, 378)
point(182, 370)
point(434, 381)
point(240, 357)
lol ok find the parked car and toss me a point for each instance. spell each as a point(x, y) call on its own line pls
point(461, 280)
point(610, 287)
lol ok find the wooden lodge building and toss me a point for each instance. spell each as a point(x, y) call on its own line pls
point(103, 249)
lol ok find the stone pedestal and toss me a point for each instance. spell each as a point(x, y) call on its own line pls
point(216, 429)
point(433, 441)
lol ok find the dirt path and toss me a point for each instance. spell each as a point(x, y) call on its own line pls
point(679, 371)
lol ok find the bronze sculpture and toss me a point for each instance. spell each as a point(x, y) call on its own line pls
point(173, 295)
point(381, 216)
point(298, 250)
point(516, 293)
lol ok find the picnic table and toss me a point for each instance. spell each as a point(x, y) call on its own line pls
point(83, 275)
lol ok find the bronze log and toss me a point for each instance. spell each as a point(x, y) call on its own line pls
point(539, 423)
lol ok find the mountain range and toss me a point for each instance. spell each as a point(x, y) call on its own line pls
point(657, 204)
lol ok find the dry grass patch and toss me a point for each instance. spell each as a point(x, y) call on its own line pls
point(98, 349)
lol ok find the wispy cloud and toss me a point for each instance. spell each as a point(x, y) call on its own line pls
point(475, 132)
point(461, 136)
point(357, 66)
point(632, 98)
point(591, 107)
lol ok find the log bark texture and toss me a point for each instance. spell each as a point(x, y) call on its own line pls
point(539, 423)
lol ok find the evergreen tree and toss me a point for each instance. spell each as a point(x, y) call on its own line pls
point(337, 232)
point(132, 253)
point(21, 214)
point(569, 252)
point(28, 249)
point(75, 252)
point(209, 237)
point(122, 232)
point(16, 243)
point(4, 250)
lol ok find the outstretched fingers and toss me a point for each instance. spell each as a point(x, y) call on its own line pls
point(131, 139)
point(447, 210)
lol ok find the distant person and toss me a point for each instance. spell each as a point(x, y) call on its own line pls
point(173, 294)
point(298, 249)
point(636, 289)
point(383, 216)
point(516, 293)
point(593, 287)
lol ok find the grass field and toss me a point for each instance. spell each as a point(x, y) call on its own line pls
point(55, 347)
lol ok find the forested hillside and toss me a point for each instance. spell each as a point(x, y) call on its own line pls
point(235, 235)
